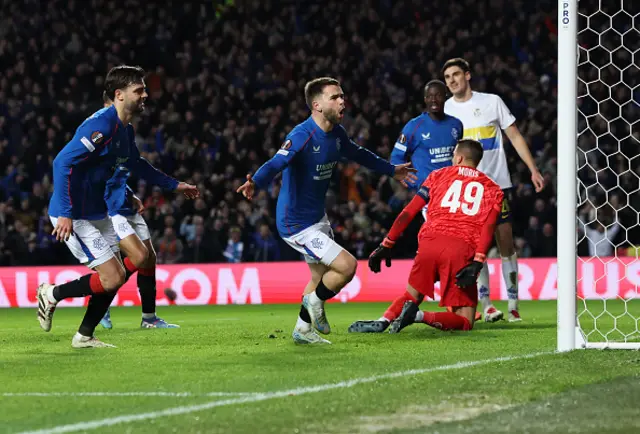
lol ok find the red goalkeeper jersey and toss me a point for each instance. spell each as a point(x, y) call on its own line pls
point(461, 199)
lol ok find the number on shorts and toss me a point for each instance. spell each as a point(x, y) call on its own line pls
point(472, 197)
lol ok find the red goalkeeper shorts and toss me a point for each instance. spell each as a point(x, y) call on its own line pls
point(440, 257)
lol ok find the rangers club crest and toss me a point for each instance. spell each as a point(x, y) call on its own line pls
point(477, 112)
point(454, 133)
point(338, 144)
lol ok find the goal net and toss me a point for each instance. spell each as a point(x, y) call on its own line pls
point(598, 174)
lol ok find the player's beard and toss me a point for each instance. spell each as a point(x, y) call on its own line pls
point(332, 116)
point(136, 107)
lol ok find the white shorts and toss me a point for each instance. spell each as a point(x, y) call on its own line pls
point(93, 242)
point(129, 225)
point(316, 243)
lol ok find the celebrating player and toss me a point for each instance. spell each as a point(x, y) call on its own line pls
point(428, 139)
point(78, 209)
point(124, 209)
point(308, 157)
point(483, 116)
point(463, 207)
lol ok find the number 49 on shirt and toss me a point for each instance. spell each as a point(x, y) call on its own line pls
point(471, 197)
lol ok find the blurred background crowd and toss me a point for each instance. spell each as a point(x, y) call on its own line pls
point(226, 85)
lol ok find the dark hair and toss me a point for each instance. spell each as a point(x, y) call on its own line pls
point(471, 149)
point(435, 83)
point(315, 87)
point(120, 77)
point(457, 61)
point(105, 98)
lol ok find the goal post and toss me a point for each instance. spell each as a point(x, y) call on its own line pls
point(567, 191)
point(598, 176)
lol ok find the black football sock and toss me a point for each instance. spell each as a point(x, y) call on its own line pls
point(147, 289)
point(304, 315)
point(323, 292)
point(80, 287)
point(97, 307)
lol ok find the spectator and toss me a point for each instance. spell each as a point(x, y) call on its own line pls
point(235, 247)
point(169, 248)
point(265, 247)
point(224, 91)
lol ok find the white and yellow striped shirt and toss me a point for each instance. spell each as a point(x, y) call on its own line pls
point(483, 117)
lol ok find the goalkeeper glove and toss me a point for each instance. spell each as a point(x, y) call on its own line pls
point(382, 251)
point(468, 275)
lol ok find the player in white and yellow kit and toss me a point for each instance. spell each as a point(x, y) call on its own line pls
point(485, 116)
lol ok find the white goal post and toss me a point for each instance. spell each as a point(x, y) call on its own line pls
point(596, 112)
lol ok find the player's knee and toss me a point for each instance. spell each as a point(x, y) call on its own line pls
point(113, 279)
point(350, 269)
point(139, 256)
point(151, 259)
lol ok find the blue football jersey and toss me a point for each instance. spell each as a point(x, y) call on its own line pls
point(428, 143)
point(308, 157)
point(83, 167)
point(127, 159)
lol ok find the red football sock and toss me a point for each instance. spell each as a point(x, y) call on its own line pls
point(478, 314)
point(395, 309)
point(129, 267)
point(95, 284)
point(446, 321)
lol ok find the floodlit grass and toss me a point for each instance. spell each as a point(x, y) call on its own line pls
point(235, 369)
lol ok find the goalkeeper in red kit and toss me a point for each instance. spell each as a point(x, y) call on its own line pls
point(463, 205)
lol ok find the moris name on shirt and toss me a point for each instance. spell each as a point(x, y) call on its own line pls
point(465, 171)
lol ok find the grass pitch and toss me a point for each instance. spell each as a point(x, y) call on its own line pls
point(234, 369)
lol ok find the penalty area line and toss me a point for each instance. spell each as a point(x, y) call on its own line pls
point(257, 397)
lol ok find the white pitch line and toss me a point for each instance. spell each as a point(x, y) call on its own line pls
point(124, 394)
point(257, 397)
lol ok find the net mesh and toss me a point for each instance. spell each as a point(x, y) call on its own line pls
point(608, 174)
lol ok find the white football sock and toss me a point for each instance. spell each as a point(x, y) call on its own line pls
point(419, 316)
point(483, 287)
point(510, 275)
point(302, 325)
point(383, 319)
point(50, 296)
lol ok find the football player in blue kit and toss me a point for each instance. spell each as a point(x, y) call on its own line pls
point(307, 159)
point(78, 210)
point(134, 237)
point(428, 140)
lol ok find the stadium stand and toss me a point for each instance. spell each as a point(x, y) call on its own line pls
point(225, 86)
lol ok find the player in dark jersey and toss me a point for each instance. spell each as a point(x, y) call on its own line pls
point(428, 140)
point(78, 210)
point(134, 237)
point(463, 207)
point(307, 159)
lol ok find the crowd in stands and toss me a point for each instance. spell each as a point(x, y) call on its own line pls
point(226, 85)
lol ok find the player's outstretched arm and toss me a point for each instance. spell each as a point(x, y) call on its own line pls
point(401, 172)
point(383, 251)
point(294, 143)
point(190, 191)
point(248, 188)
point(141, 167)
point(522, 148)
